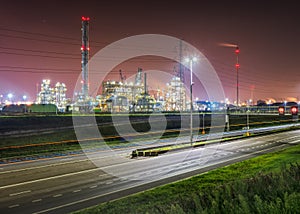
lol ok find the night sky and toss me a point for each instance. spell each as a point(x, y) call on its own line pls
point(42, 39)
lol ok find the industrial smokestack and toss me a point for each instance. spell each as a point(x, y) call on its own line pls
point(85, 56)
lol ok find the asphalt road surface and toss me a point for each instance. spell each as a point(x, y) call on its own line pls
point(65, 184)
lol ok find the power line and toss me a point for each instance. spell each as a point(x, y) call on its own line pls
point(37, 39)
point(49, 36)
point(35, 55)
point(37, 51)
point(72, 56)
point(39, 34)
point(34, 68)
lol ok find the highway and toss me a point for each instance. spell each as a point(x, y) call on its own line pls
point(65, 184)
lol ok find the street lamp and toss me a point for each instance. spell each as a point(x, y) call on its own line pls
point(248, 110)
point(191, 61)
point(227, 114)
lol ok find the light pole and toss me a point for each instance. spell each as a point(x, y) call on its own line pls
point(248, 110)
point(227, 114)
point(203, 123)
point(190, 61)
point(24, 100)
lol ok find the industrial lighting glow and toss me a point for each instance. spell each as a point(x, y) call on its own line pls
point(10, 95)
point(193, 59)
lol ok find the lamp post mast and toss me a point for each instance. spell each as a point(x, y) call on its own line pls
point(191, 100)
point(190, 61)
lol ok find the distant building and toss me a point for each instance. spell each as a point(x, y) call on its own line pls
point(52, 95)
point(118, 96)
point(46, 94)
point(60, 96)
point(175, 95)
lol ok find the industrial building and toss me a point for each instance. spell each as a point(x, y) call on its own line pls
point(52, 95)
point(120, 96)
point(175, 99)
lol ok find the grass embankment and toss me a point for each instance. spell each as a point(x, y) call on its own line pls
point(265, 184)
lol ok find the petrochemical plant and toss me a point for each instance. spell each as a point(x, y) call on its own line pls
point(116, 96)
point(120, 96)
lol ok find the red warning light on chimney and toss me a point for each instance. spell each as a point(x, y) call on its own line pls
point(85, 18)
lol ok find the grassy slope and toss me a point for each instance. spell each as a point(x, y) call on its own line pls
point(259, 185)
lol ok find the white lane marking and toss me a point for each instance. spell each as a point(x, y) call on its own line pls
point(77, 190)
point(93, 186)
point(58, 195)
point(15, 205)
point(37, 200)
point(19, 193)
point(49, 178)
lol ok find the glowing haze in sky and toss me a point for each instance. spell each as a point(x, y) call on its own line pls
point(42, 39)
